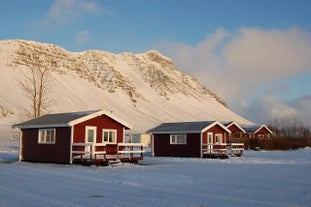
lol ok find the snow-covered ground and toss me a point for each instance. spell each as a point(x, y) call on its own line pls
point(257, 179)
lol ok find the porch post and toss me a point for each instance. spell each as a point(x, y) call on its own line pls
point(201, 140)
point(123, 135)
point(152, 145)
point(71, 141)
point(20, 145)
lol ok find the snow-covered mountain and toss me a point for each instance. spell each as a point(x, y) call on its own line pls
point(143, 89)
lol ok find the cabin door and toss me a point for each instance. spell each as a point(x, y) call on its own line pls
point(90, 138)
point(210, 142)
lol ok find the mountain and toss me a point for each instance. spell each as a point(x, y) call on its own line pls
point(143, 89)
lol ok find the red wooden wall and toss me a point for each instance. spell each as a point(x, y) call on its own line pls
point(35, 152)
point(162, 146)
point(235, 131)
point(215, 130)
point(263, 132)
point(101, 122)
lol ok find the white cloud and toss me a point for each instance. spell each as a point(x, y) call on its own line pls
point(271, 54)
point(201, 61)
point(63, 12)
point(268, 108)
point(236, 65)
point(68, 10)
point(83, 37)
point(281, 110)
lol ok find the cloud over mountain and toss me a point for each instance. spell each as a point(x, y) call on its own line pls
point(249, 62)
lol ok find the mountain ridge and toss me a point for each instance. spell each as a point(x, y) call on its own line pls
point(147, 83)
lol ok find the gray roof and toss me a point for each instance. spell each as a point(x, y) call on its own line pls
point(226, 123)
point(54, 120)
point(181, 127)
point(68, 119)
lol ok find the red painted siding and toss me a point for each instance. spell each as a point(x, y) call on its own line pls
point(204, 137)
point(217, 130)
point(235, 131)
point(162, 146)
point(262, 133)
point(100, 122)
point(35, 152)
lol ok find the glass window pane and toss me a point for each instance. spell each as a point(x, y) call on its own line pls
point(110, 136)
point(90, 134)
point(47, 134)
point(113, 136)
point(52, 136)
point(178, 139)
point(173, 139)
point(106, 136)
point(41, 135)
point(218, 138)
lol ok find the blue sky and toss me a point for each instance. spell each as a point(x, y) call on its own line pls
point(255, 54)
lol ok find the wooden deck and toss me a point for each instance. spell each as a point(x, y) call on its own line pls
point(88, 153)
point(222, 150)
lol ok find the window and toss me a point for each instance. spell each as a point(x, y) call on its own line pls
point(218, 138)
point(46, 136)
point(237, 135)
point(110, 135)
point(178, 139)
point(90, 134)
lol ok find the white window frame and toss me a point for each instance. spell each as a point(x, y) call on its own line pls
point(174, 139)
point(87, 128)
point(109, 141)
point(210, 135)
point(43, 136)
point(217, 137)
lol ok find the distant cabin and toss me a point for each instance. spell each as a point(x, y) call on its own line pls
point(189, 139)
point(143, 138)
point(236, 130)
point(256, 131)
point(77, 137)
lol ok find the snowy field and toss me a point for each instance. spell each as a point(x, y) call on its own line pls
point(257, 179)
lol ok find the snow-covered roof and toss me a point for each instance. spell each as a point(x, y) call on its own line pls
point(67, 119)
point(185, 127)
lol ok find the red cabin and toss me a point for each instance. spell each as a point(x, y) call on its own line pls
point(257, 131)
point(87, 136)
point(236, 130)
point(190, 139)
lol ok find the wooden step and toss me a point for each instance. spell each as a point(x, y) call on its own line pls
point(115, 162)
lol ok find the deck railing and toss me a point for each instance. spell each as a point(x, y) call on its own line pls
point(219, 149)
point(131, 150)
point(92, 151)
point(223, 149)
point(236, 148)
